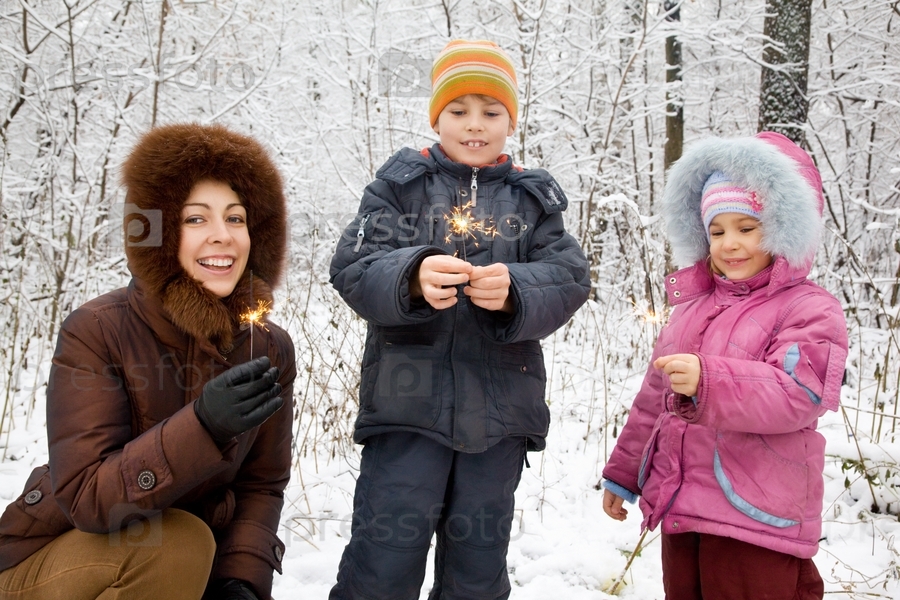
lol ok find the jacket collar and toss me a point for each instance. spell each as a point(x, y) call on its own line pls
point(698, 280)
point(492, 172)
point(186, 310)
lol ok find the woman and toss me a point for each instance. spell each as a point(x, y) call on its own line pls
point(169, 434)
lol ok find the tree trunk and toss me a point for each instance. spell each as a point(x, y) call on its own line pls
point(674, 91)
point(783, 102)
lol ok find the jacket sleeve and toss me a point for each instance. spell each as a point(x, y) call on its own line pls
point(624, 463)
point(249, 548)
point(371, 266)
point(100, 475)
point(797, 380)
point(547, 288)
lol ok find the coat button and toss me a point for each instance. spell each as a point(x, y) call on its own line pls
point(524, 368)
point(146, 479)
point(33, 497)
point(675, 525)
point(279, 553)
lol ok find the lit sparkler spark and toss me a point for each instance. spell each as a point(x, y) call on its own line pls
point(462, 223)
point(650, 316)
point(254, 317)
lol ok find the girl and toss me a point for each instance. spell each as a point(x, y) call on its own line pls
point(721, 442)
point(169, 446)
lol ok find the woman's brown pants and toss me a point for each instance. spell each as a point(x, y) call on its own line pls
point(171, 559)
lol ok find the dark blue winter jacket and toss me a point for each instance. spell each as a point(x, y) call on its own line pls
point(464, 376)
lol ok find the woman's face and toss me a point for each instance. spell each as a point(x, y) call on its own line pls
point(215, 242)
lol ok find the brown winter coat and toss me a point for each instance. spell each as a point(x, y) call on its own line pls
point(123, 435)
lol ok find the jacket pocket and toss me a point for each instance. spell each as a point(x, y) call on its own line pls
point(404, 386)
point(35, 512)
point(518, 379)
point(760, 482)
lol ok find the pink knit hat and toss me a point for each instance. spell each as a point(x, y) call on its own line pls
point(721, 194)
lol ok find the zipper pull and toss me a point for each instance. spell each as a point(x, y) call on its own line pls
point(474, 185)
point(361, 232)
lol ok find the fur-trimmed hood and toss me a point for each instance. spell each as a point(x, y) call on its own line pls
point(159, 174)
point(779, 171)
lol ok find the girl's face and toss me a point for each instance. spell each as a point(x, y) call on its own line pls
point(215, 242)
point(734, 240)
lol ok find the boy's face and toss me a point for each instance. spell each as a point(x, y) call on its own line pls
point(734, 240)
point(474, 129)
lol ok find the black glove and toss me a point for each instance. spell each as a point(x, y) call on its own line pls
point(229, 589)
point(239, 399)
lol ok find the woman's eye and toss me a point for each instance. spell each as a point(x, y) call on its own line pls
point(193, 220)
point(235, 219)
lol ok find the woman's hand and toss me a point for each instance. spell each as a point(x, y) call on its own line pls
point(229, 589)
point(612, 506)
point(239, 399)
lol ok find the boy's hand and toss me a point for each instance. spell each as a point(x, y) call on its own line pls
point(683, 371)
point(612, 506)
point(489, 287)
point(437, 279)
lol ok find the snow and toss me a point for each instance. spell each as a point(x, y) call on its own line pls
point(562, 542)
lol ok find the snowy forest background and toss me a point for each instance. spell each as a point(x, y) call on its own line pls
point(334, 87)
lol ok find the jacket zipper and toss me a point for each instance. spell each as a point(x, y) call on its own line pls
point(474, 185)
point(361, 232)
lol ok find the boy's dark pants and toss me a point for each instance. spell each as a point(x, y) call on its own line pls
point(411, 487)
point(700, 566)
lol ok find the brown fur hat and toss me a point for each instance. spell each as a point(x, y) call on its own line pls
point(159, 174)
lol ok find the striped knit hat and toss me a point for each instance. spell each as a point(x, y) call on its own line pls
point(722, 195)
point(473, 67)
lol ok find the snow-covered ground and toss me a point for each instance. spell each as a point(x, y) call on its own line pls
point(563, 544)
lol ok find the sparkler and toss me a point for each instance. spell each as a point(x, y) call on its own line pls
point(650, 316)
point(462, 223)
point(252, 318)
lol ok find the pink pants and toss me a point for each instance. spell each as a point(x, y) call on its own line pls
point(700, 566)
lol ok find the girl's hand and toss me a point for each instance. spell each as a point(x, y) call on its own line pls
point(489, 287)
point(612, 506)
point(683, 371)
point(437, 279)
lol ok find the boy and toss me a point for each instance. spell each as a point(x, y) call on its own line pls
point(460, 263)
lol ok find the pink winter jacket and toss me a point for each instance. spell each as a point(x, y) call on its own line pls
point(743, 459)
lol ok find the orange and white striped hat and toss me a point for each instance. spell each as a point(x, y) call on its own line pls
point(473, 67)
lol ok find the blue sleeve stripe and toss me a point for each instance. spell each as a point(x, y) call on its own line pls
point(791, 358)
